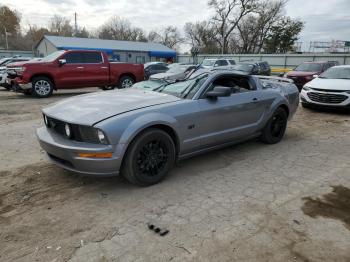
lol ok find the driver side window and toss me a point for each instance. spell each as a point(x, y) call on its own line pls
point(237, 84)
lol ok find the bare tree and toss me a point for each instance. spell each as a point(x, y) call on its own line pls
point(117, 28)
point(228, 14)
point(201, 36)
point(254, 28)
point(60, 26)
point(168, 36)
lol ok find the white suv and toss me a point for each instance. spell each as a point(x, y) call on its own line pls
point(6, 61)
point(218, 63)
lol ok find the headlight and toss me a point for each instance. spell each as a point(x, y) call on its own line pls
point(67, 130)
point(101, 137)
point(306, 88)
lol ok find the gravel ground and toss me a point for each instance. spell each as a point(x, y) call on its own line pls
point(250, 202)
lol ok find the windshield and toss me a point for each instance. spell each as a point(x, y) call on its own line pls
point(243, 67)
point(184, 89)
point(309, 67)
point(208, 62)
point(150, 84)
point(177, 69)
point(52, 57)
point(337, 73)
point(3, 61)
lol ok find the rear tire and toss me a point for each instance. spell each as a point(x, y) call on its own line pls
point(42, 87)
point(275, 128)
point(149, 158)
point(126, 82)
point(106, 88)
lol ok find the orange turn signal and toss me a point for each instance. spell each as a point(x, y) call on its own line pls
point(95, 155)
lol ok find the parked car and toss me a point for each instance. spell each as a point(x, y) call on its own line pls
point(330, 89)
point(155, 68)
point(72, 69)
point(305, 72)
point(4, 63)
point(218, 63)
point(176, 72)
point(253, 68)
point(151, 85)
point(141, 134)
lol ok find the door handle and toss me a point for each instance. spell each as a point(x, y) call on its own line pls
point(104, 67)
point(80, 67)
point(255, 100)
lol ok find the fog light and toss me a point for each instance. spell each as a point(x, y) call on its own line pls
point(46, 121)
point(68, 131)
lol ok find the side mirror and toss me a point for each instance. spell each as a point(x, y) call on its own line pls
point(216, 65)
point(62, 62)
point(219, 91)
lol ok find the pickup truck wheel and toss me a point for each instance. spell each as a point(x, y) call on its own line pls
point(275, 128)
point(149, 158)
point(42, 87)
point(126, 82)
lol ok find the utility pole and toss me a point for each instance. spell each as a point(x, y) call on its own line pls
point(7, 43)
point(75, 24)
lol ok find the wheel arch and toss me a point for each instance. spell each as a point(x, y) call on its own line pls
point(45, 75)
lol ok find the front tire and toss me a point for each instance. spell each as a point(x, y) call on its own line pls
point(275, 128)
point(42, 87)
point(126, 82)
point(149, 158)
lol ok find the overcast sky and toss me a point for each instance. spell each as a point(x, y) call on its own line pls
point(325, 19)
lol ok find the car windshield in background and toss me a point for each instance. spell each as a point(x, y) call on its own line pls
point(53, 56)
point(150, 84)
point(207, 62)
point(177, 69)
point(336, 73)
point(243, 67)
point(184, 89)
point(309, 67)
point(3, 61)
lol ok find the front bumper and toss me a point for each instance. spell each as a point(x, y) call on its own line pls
point(21, 84)
point(331, 99)
point(64, 153)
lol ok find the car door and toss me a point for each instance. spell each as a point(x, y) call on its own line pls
point(71, 74)
point(95, 69)
point(228, 118)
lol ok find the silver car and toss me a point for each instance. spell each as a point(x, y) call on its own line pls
point(141, 133)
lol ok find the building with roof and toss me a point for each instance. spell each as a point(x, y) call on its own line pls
point(123, 51)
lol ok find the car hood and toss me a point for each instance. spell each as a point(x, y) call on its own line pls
point(301, 73)
point(92, 108)
point(330, 84)
point(171, 76)
point(29, 62)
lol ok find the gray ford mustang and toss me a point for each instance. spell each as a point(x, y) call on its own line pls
point(141, 133)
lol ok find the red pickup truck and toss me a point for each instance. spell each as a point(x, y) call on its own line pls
point(72, 69)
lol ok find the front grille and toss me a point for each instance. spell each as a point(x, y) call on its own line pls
point(78, 132)
point(327, 98)
point(328, 90)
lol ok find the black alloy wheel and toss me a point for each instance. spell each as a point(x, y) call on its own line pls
point(149, 157)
